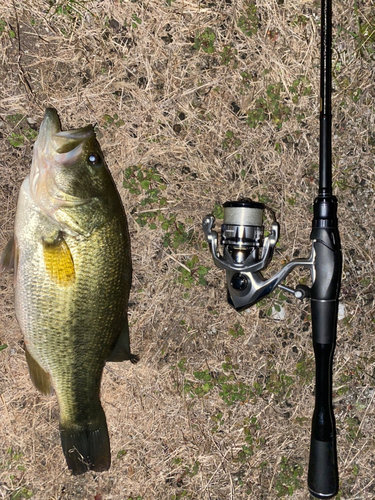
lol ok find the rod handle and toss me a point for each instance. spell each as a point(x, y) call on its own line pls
point(323, 478)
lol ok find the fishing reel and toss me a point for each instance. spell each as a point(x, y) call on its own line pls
point(246, 252)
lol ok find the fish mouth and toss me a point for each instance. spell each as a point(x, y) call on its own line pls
point(50, 125)
point(54, 149)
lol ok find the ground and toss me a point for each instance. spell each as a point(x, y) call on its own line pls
point(196, 103)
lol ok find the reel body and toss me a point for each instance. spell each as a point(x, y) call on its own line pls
point(246, 252)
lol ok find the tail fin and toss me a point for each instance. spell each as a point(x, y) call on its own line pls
point(87, 448)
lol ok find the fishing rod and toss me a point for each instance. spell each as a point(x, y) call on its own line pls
point(246, 252)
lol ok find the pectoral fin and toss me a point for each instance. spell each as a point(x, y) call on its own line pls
point(59, 261)
point(121, 349)
point(8, 257)
point(39, 377)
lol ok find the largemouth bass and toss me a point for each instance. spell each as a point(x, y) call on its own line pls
point(72, 276)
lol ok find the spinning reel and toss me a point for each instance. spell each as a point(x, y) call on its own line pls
point(246, 252)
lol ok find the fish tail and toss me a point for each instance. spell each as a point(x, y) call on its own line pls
point(87, 447)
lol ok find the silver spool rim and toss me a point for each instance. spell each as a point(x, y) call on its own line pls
point(243, 216)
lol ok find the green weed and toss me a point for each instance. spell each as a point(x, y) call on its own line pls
point(228, 56)
point(147, 181)
point(236, 331)
point(16, 140)
point(230, 142)
point(14, 463)
point(355, 470)
point(112, 120)
point(178, 236)
point(356, 95)
point(230, 389)
point(264, 198)
point(14, 455)
point(207, 383)
point(218, 420)
point(269, 108)
point(136, 21)
point(279, 383)
point(352, 429)
point(301, 420)
point(288, 480)
point(70, 8)
point(365, 282)
point(248, 20)
point(21, 133)
point(278, 302)
point(300, 87)
point(3, 25)
point(218, 211)
point(205, 40)
point(181, 494)
point(194, 275)
point(344, 380)
point(14, 460)
point(366, 33)
point(305, 370)
point(181, 365)
point(21, 492)
point(192, 470)
point(15, 119)
point(300, 20)
point(251, 426)
point(246, 80)
point(235, 392)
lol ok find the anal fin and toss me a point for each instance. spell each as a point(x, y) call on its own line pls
point(121, 349)
point(39, 377)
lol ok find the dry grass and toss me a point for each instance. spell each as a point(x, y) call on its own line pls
point(179, 111)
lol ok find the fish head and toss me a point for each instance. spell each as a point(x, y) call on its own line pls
point(68, 170)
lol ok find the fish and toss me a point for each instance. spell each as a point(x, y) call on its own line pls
point(71, 257)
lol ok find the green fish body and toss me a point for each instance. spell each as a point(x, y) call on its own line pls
point(72, 264)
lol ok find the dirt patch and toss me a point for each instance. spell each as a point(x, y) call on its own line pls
point(196, 103)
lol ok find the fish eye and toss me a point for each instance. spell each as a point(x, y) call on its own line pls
point(93, 158)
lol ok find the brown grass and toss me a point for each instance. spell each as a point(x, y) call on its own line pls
point(94, 59)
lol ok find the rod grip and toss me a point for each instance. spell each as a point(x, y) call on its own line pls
point(323, 478)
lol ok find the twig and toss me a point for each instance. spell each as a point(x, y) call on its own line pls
point(22, 73)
